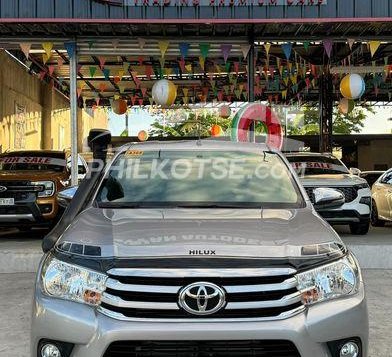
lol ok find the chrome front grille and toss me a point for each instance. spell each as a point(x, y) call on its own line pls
point(350, 193)
point(154, 293)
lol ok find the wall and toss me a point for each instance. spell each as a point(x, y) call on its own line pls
point(44, 122)
point(374, 152)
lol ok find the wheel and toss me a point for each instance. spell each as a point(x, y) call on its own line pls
point(360, 229)
point(376, 222)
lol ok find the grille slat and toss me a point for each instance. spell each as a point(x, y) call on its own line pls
point(157, 297)
point(270, 348)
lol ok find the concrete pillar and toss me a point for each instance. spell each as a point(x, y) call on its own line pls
point(46, 123)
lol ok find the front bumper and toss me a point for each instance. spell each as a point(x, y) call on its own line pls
point(352, 212)
point(29, 211)
point(92, 333)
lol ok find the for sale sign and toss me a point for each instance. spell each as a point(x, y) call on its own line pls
point(34, 160)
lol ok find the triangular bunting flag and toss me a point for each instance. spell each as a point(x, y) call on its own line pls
point(142, 42)
point(184, 49)
point(287, 48)
point(226, 49)
point(48, 46)
point(374, 45)
point(93, 70)
point(163, 46)
point(350, 42)
point(106, 73)
point(202, 62)
point(102, 61)
point(267, 47)
point(245, 50)
point(306, 45)
point(25, 47)
point(204, 49)
point(328, 45)
point(70, 47)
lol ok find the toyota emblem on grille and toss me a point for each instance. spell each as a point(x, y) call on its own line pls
point(202, 298)
point(3, 188)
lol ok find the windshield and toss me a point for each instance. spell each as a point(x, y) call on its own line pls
point(317, 165)
point(199, 179)
point(32, 162)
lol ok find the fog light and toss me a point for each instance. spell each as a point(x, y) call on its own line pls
point(349, 349)
point(50, 350)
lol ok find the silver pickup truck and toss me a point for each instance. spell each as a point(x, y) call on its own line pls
point(195, 249)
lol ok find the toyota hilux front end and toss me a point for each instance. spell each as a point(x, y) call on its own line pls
point(199, 249)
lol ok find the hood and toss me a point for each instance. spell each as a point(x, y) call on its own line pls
point(31, 175)
point(268, 233)
point(332, 180)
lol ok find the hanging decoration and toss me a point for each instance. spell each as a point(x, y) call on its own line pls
point(25, 47)
point(245, 50)
point(259, 113)
point(204, 49)
point(346, 106)
point(374, 45)
point(142, 135)
point(163, 46)
point(142, 42)
point(225, 111)
point(226, 49)
point(184, 49)
point(328, 45)
point(287, 48)
point(352, 86)
point(119, 106)
point(216, 130)
point(164, 92)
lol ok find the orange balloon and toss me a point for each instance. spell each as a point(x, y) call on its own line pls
point(143, 135)
point(216, 130)
point(120, 106)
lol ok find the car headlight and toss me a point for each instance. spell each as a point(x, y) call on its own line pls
point(335, 280)
point(48, 188)
point(71, 282)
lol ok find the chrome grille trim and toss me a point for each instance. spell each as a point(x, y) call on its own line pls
point(285, 301)
point(121, 317)
point(287, 284)
point(202, 273)
point(116, 285)
point(116, 301)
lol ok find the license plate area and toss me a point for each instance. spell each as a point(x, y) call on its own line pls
point(7, 201)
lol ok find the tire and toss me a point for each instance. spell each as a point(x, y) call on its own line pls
point(376, 222)
point(359, 229)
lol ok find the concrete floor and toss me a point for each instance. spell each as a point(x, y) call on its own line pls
point(15, 304)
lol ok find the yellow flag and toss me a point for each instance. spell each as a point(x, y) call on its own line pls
point(163, 46)
point(185, 91)
point(267, 47)
point(202, 62)
point(374, 45)
point(188, 67)
point(121, 74)
point(48, 46)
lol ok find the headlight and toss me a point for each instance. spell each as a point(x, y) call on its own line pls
point(48, 188)
point(335, 280)
point(71, 282)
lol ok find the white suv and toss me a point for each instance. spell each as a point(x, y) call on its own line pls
point(325, 170)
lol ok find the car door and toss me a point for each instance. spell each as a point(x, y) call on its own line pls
point(383, 195)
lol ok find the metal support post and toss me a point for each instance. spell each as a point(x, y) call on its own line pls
point(73, 75)
point(251, 82)
point(326, 112)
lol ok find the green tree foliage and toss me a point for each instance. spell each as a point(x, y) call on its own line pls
point(192, 125)
point(308, 123)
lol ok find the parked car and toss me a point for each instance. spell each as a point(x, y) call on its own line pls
point(382, 200)
point(325, 170)
point(371, 176)
point(29, 181)
point(197, 249)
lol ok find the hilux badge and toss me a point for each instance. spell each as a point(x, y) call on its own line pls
point(3, 188)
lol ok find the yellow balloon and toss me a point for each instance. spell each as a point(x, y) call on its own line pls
point(352, 86)
point(164, 92)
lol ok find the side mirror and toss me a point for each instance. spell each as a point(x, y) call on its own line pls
point(327, 198)
point(65, 197)
point(355, 171)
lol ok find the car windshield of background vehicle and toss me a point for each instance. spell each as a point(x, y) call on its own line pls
point(32, 163)
point(319, 165)
point(203, 179)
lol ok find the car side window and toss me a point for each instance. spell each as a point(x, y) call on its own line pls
point(387, 179)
